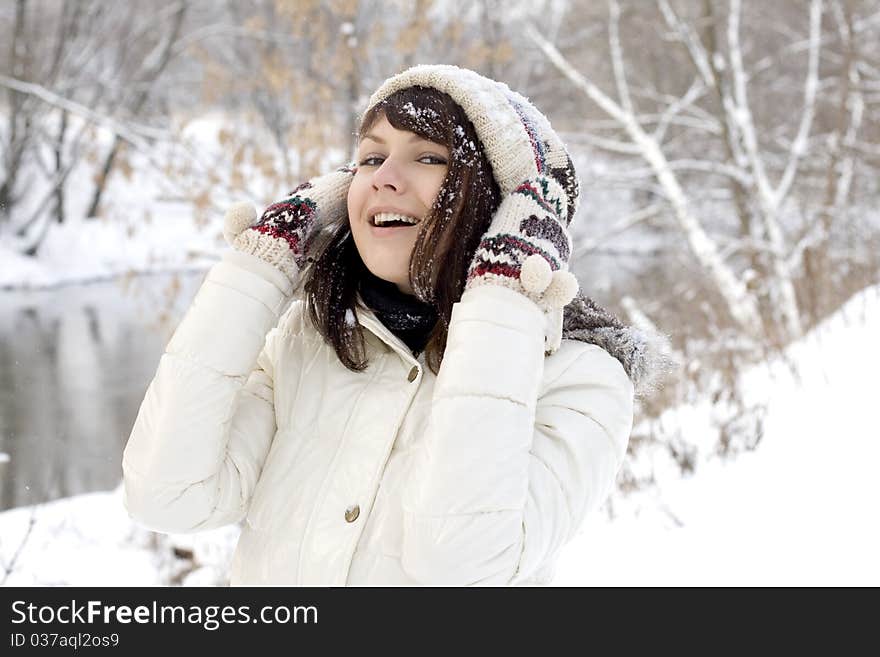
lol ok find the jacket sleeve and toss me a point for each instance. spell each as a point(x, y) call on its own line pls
point(207, 420)
point(508, 473)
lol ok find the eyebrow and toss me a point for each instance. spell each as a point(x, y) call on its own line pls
point(379, 140)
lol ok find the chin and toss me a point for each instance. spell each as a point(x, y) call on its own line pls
point(390, 276)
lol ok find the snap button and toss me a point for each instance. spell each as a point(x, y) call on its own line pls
point(352, 513)
point(413, 373)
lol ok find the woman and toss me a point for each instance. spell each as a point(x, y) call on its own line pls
point(396, 405)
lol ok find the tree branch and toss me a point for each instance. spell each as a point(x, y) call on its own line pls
point(617, 56)
point(134, 134)
point(799, 145)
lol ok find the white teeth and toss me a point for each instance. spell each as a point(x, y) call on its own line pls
point(387, 217)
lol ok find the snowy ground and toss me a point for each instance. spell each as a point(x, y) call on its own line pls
point(800, 510)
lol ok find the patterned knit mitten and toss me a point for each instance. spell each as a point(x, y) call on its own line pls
point(281, 235)
point(527, 248)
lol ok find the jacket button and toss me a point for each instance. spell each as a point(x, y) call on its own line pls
point(352, 513)
point(413, 373)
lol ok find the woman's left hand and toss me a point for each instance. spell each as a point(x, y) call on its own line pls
point(527, 246)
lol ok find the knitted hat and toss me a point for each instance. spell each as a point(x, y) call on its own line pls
point(518, 140)
point(520, 143)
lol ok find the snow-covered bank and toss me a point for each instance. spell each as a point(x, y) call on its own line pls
point(146, 224)
point(89, 540)
point(84, 251)
point(161, 211)
point(799, 510)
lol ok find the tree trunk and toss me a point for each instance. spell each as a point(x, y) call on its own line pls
point(59, 165)
point(19, 120)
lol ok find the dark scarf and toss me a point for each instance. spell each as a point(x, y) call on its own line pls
point(405, 315)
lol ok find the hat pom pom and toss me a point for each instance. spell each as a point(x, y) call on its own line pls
point(535, 274)
point(562, 289)
point(238, 218)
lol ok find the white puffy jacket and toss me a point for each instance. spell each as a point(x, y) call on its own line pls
point(391, 476)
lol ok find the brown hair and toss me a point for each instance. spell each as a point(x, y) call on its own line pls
point(447, 238)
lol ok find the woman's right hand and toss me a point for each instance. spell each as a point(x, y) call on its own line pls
point(280, 236)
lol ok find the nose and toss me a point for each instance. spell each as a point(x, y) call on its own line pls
point(389, 176)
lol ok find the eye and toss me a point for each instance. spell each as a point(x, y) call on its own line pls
point(375, 160)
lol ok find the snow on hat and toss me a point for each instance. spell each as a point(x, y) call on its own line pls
point(518, 139)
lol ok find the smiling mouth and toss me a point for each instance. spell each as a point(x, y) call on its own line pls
point(392, 220)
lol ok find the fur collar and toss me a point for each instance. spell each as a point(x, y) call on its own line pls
point(646, 356)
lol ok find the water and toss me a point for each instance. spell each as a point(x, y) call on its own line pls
point(75, 363)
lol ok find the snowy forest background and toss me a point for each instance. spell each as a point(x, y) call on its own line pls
point(729, 153)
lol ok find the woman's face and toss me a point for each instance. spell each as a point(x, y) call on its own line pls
point(398, 172)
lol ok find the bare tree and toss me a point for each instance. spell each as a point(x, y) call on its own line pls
point(76, 69)
point(842, 143)
point(150, 72)
point(19, 123)
point(712, 130)
point(740, 302)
